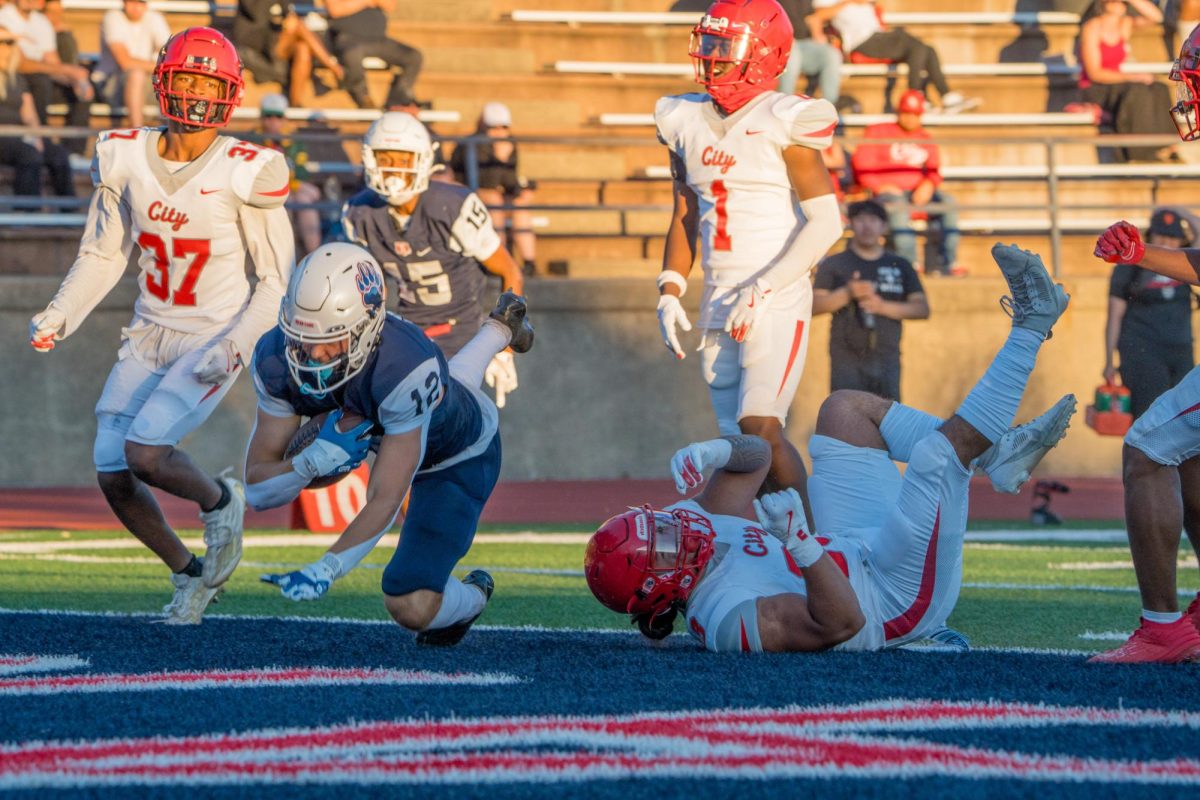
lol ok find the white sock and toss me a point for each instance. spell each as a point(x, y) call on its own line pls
point(468, 364)
point(459, 602)
point(1161, 617)
point(903, 426)
point(992, 404)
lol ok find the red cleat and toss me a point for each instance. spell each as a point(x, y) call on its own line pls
point(1156, 643)
point(1193, 611)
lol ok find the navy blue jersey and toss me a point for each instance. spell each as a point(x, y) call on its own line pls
point(434, 262)
point(404, 385)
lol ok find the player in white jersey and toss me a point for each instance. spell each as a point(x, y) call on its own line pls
point(195, 203)
point(1161, 457)
point(751, 577)
point(749, 180)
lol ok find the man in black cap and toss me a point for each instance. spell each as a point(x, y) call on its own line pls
point(1150, 320)
point(869, 290)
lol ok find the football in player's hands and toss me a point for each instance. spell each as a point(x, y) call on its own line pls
point(308, 433)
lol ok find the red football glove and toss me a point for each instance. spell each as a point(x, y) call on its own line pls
point(1120, 244)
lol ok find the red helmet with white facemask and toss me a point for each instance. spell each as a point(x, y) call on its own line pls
point(200, 51)
point(646, 561)
point(739, 48)
point(1186, 74)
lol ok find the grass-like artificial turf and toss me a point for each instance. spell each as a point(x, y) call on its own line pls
point(1058, 594)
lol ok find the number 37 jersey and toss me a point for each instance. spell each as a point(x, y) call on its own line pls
point(185, 221)
point(735, 167)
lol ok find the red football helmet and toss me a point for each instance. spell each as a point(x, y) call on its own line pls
point(1186, 74)
point(202, 51)
point(646, 561)
point(739, 48)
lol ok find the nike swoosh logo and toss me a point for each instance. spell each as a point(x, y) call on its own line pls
point(425, 251)
point(753, 133)
point(209, 191)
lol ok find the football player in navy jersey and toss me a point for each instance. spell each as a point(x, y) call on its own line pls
point(435, 240)
point(337, 349)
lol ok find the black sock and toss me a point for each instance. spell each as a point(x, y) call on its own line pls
point(225, 498)
point(194, 569)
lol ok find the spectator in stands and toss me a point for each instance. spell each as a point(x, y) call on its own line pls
point(27, 154)
point(359, 30)
point(906, 178)
point(812, 55)
point(272, 113)
point(64, 38)
point(277, 47)
point(1150, 320)
point(50, 80)
point(1136, 101)
point(861, 29)
point(500, 180)
point(869, 291)
point(130, 38)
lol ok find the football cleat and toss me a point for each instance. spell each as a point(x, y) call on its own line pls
point(223, 535)
point(453, 634)
point(190, 600)
point(1009, 462)
point(950, 639)
point(1156, 643)
point(510, 311)
point(1036, 301)
point(1193, 611)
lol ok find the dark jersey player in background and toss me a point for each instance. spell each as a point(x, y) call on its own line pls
point(336, 349)
point(434, 240)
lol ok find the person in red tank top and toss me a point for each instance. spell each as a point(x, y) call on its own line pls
point(1136, 102)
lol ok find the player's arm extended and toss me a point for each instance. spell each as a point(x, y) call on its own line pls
point(1181, 265)
point(103, 253)
point(391, 476)
point(739, 465)
point(679, 253)
point(823, 219)
point(270, 480)
point(269, 240)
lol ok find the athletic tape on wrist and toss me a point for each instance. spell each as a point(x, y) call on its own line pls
point(674, 278)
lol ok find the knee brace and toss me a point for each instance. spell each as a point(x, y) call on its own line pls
point(108, 453)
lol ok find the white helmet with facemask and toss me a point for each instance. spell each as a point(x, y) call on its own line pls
point(398, 131)
point(332, 316)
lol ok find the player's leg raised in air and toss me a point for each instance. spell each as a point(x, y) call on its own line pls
point(928, 507)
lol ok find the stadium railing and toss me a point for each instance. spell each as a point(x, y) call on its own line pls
point(893, 17)
point(1083, 118)
point(653, 68)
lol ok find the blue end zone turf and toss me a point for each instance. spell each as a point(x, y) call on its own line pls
point(516, 713)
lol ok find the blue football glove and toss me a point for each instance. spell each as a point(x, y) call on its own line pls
point(334, 452)
point(310, 583)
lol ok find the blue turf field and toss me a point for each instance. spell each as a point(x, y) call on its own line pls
point(573, 714)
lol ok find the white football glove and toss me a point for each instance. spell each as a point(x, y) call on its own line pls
point(782, 516)
point(751, 303)
point(218, 363)
point(688, 464)
point(670, 314)
point(501, 375)
point(46, 328)
point(309, 583)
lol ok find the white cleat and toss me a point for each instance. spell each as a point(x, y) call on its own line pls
point(189, 602)
point(1009, 462)
point(223, 535)
point(1036, 301)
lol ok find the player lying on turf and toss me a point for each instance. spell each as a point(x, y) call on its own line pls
point(889, 566)
point(336, 349)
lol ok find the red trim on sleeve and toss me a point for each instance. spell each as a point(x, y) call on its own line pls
point(745, 640)
point(823, 132)
point(279, 193)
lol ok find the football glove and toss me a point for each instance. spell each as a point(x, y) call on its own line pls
point(1120, 244)
point(782, 516)
point(688, 464)
point(501, 375)
point(751, 303)
point(218, 363)
point(46, 328)
point(309, 583)
point(670, 315)
point(334, 452)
